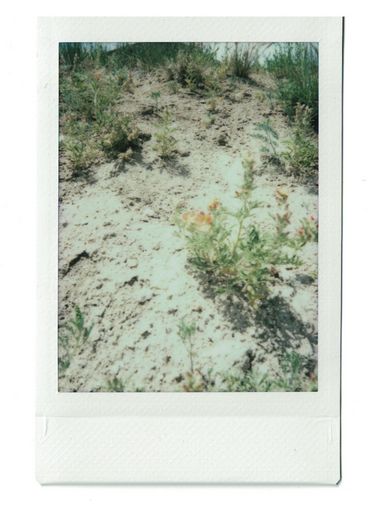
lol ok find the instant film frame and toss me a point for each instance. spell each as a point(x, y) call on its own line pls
point(192, 437)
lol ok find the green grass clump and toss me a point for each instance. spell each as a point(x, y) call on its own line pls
point(72, 336)
point(301, 156)
point(231, 251)
point(242, 60)
point(292, 377)
point(295, 67)
point(165, 141)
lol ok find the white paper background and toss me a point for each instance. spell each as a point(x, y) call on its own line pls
point(17, 266)
point(260, 447)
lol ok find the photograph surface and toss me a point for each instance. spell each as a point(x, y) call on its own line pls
point(188, 217)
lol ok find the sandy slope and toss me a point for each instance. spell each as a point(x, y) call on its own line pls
point(123, 264)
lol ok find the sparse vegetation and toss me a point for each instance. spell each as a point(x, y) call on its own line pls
point(72, 336)
point(166, 144)
point(267, 134)
point(295, 67)
point(242, 60)
point(293, 376)
point(301, 156)
point(149, 131)
point(231, 251)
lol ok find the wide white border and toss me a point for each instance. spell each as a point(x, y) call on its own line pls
point(174, 437)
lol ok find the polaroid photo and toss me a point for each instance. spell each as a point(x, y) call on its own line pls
point(189, 250)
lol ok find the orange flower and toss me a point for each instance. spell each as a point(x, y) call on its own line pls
point(281, 195)
point(214, 205)
point(199, 220)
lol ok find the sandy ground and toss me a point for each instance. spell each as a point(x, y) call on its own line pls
point(123, 264)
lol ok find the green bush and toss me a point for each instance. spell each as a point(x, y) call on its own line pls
point(118, 135)
point(295, 67)
point(195, 70)
point(88, 94)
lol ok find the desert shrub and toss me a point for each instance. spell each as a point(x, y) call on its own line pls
point(231, 251)
point(293, 376)
point(87, 94)
point(301, 156)
point(72, 336)
point(195, 70)
point(295, 67)
point(242, 60)
point(165, 142)
point(118, 135)
point(81, 155)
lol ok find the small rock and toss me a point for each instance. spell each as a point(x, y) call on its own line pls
point(149, 212)
point(132, 263)
point(145, 296)
point(222, 139)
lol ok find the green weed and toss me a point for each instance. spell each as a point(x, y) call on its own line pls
point(301, 156)
point(195, 70)
point(72, 336)
point(155, 96)
point(233, 252)
point(165, 141)
point(118, 135)
point(186, 333)
point(267, 134)
point(242, 60)
point(295, 67)
point(292, 377)
point(115, 385)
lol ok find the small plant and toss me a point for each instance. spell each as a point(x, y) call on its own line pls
point(267, 134)
point(212, 105)
point(293, 376)
point(166, 144)
point(186, 333)
point(301, 155)
point(242, 60)
point(231, 251)
point(295, 67)
point(115, 385)
point(88, 94)
point(118, 136)
point(308, 231)
point(209, 120)
point(72, 336)
point(194, 70)
point(155, 96)
point(80, 155)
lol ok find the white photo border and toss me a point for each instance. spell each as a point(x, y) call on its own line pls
point(192, 437)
